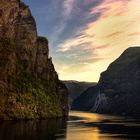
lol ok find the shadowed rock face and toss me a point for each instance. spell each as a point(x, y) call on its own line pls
point(29, 84)
point(120, 85)
point(42, 59)
point(85, 102)
point(76, 88)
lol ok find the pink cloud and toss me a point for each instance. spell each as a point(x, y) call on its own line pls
point(134, 34)
point(102, 46)
point(68, 5)
point(107, 5)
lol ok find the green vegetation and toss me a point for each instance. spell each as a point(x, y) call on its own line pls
point(42, 39)
point(27, 90)
point(31, 94)
point(27, 96)
point(22, 4)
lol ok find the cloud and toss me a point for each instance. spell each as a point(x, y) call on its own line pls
point(86, 36)
point(68, 5)
point(134, 34)
point(113, 34)
point(78, 15)
point(102, 46)
point(106, 37)
point(71, 43)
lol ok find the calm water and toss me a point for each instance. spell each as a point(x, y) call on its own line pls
point(79, 126)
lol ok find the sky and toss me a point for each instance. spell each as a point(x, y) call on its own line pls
point(85, 36)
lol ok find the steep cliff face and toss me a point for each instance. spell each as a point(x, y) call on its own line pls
point(120, 85)
point(29, 85)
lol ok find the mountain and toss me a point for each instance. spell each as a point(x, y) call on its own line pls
point(119, 85)
point(85, 101)
point(118, 90)
point(29, 84)
point(76, 88)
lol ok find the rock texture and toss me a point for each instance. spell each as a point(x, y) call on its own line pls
point(29, 84)
point(119, 85)
point(76, 88)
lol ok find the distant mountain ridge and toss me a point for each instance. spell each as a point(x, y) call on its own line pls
point(76, 88)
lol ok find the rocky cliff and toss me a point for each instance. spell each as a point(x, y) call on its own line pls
point(119, 85)
point(29, 84)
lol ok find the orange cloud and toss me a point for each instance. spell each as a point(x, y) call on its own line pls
point(116, 29)
point(113, 34)
point(103, 46)
point(134, 34)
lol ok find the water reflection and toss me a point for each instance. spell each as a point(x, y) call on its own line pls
point(89, 126)
point(79, 126)
point(33, 130)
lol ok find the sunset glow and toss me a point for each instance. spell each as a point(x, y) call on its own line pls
point(87, 36)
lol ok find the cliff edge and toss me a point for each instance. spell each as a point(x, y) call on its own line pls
point(29, 84)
